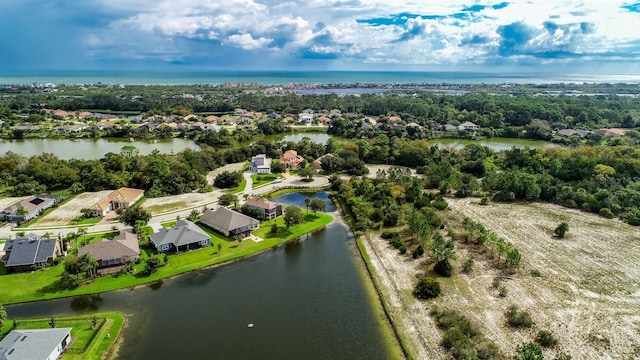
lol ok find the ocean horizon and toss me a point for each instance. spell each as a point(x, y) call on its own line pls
point(131, 77)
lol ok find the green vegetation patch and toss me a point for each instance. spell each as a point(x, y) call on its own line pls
point(93, 335)
point(311, 222)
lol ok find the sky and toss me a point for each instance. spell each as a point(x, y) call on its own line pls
point(601, 36)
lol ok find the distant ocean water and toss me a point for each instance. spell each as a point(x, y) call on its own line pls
point(302, 77)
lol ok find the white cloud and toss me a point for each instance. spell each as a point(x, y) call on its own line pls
point(247, 42)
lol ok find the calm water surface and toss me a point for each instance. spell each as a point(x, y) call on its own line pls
point(91, 149)
point(498, 144)
point(307, 300)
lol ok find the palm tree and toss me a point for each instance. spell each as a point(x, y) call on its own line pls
point(307, 202)
point(83, 231)
point(71, 237)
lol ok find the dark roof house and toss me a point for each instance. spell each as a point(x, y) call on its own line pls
point(184, 236)
point(30, 250)
point(228, 222)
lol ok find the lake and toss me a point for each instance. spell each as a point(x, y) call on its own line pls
point(308, 300)
point(497, 144)
point(91, 149)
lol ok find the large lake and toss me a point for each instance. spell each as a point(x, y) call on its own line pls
point(90, 149)
point(309, 300)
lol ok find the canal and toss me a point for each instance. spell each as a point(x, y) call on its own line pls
point(307, 300)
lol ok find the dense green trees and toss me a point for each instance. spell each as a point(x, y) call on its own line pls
point(293, 216)
point(228, 179)
point(131, 215)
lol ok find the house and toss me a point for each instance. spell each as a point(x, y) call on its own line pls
point(324, 120)
point(24, 253)
point(268, 209)
point(335, 112)
point(228, 222)
point(571, 132)
point(317, 163)
point(260, 164)
point(116, 252)
point(118, 199)
point(46, 344)
point(27, 209)
point(450, 128)
point(305, 118)
point(308, 111)
point(612, 132)
point(274, 115)
point(395, 118)
point(468, 126)
point(69, 128)
point(184, 236)
point(291, 159)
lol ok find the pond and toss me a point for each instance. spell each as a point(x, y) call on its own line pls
point(91, 149)
point(307, 300)
point(314, 137)
point(498, 144)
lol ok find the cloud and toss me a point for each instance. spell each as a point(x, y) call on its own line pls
point(247, 42)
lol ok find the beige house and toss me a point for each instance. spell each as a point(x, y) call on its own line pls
point(118, 199)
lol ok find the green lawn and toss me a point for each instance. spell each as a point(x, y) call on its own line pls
point(43, 284)
point(87, 222)
point(89, 342)
point(263, 179)
point(240, 187)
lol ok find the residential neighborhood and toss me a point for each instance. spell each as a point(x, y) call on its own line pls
point(31, 251)
point(183, 236)
point(230, 223)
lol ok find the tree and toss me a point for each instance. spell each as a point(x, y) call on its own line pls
point(227, 199)
point(130, 215)
point(277, 167)
point(561, 230)
point(52, 323)
point(307, 173)
point(82, 232)
point(514, 259)
point(293, 216)
point(427, 288)
point(228, 179)
point(307, 202)
point(193, 215)
point(274, 228)
point(252, 211)
point(529, 351)
point(3, 316)
point(152, 265)
point(87, 213)
point(317, 204)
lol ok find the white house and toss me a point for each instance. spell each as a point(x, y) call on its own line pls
point(260, 164)
point(468, 126)
point(305, 118)
point(45, 344)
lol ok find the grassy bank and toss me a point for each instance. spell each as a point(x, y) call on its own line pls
point(43, 284)
point(390, 333)
point(89, 341)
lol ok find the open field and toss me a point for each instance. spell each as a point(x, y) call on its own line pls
point(67, 212)
point(588, 294)
point(171, 203)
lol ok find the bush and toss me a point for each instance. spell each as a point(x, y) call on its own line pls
point(484, 201)
point(467, 267)
point(496, 282)
point(518, 319)
point(418, 252)
point(561, 230)
point(427, 288)
point(403, 249)
point(396, 242)
point(389, 234)
point(502, 291)
point(440, 203)
point(536, 273)
point(443, 268)
point(529, 351)
point(68, 282)
point(151, 266)
point(606, 212)
point(545, 338)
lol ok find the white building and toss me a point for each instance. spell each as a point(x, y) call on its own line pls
point(41, 344)
point(260, 164)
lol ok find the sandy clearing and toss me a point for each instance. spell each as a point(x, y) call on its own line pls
point(8, 201)
point(587, 295)
point(67, 212)
point(373, 169)
point(172, 203)
point(229, 167)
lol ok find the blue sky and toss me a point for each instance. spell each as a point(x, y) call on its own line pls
point(600, 36)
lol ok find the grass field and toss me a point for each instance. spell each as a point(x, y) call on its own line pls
point(43, 284)
point(89, 342)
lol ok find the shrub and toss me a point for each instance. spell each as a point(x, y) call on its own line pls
point(518, 319)
point(529, 351)
point(443, 268)
point(484, 201)
point(545, 338)
point(403, 249)
point(563, 356)
point(606, 212)
point(496, 282)
point(389, 234)
point(561, 230)
point(536, 273)
point(68, 282)
point(418, 252)
point(151, 266)
point(467, 267)
point(427, 288)
point(502, 291)
point(440, 203)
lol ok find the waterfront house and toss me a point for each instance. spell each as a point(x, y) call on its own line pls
point(27, 209)
point(184, 236)
point(612, 132)
point(468, 126)
point(291, 159)
point(305, 118)
point(268, 209)
point(47, 344)
point(230, 223)
point(30, 251)
point(260, 164)
point(118, 199)
point(116, 252)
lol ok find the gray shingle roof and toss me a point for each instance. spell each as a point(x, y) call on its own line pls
point(31, 344)
point(227, 219)
point(184, 232)
point(29, 250)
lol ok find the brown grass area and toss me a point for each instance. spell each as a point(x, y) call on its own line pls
point(588, 294)
point(8, 201)
point(178, 202)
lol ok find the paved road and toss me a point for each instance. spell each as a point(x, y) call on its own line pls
point(295, 181)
